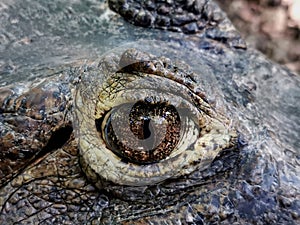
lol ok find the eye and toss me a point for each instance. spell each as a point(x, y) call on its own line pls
point(139, 121)
point(143, 132)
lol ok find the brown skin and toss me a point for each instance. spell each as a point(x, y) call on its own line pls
point(28, 122)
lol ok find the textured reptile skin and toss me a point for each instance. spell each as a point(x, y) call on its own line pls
point(46, 180)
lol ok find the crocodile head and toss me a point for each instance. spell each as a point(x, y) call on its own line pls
point(177, 132)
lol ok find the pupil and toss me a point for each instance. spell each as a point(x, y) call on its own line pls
point(146, 129)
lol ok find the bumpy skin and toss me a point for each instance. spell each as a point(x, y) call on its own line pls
point(41, 178)
point(200, 17)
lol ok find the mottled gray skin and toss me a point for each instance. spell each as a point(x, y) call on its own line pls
point(41, 178)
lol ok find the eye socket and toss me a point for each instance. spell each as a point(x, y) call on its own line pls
point(139, 121)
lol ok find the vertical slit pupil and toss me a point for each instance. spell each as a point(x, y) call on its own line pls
point(146, 129)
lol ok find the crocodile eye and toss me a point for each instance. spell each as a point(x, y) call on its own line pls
point(139, 122)
point(144, 132)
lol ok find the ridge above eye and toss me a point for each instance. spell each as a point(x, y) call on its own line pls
point(141, 122)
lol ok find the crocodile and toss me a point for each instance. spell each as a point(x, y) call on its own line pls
point(225, 119)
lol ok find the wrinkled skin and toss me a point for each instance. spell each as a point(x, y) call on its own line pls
point(42, 180)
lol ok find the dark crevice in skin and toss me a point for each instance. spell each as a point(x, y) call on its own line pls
point(57, 139)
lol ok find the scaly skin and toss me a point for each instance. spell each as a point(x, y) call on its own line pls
point(45, 181)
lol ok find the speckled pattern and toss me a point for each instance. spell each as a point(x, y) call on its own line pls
point(48, 118)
